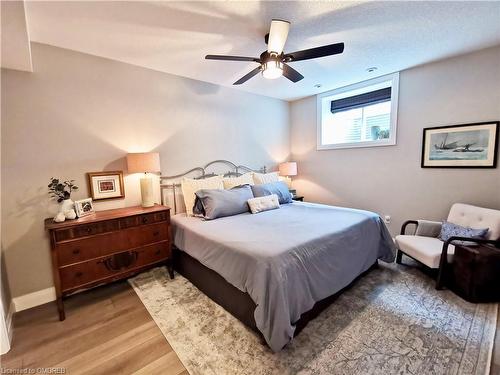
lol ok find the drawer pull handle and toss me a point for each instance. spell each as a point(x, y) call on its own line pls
point(89, 230)
point(79, 274)
point(156, 233)
point(120, 261)
point(158, 252)
point(144, 219)
point(76, 251)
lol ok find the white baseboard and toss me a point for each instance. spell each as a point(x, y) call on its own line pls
point(37, 298)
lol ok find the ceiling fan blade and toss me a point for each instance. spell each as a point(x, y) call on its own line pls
point(277, 36)
point(291, 73)
point(231, 58)
point(313, 53)
point(246, 77)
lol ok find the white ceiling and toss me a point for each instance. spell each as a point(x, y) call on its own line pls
point(174, 37)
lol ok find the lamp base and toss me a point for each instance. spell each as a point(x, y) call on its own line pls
point(147, 192)
point(287, 180)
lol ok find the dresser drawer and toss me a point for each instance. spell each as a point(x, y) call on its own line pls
point(133, 221)
point(144, 235)
point(91, 229)
point(79, 250)
point(153, 218)
point(87, 230)
point(78, 275)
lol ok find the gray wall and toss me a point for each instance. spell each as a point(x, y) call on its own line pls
point(78, 113)
point(389, 179)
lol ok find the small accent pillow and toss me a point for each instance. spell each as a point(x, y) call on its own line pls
point(449, 230)
point(265, 178)
point(219, 203)
point(244, 179)
point(261, 204)
point(278, 188)
point(190, 186)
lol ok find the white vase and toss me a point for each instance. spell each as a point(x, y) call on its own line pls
point(66, 205)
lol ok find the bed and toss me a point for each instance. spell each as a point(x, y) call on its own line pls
point(276, 270)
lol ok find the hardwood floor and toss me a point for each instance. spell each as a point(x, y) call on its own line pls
point(495, 361)
point(107, 331)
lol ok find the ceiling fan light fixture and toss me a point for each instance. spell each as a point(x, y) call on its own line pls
point(272, 69)
point(273, 63)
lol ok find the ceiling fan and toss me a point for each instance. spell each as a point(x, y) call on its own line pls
point(273, 62)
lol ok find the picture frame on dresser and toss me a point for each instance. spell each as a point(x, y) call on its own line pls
point(84, 207)
point(108, 246)
point(106, 185)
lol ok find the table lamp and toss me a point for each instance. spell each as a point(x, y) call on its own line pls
point(287, 170)
point(145, 162)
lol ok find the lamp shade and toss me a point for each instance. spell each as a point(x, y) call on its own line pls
point(142, 162)
point(288, 169)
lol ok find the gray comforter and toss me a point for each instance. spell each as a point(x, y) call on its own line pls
point(287, 259)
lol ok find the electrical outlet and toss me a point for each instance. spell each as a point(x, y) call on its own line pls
point(387, 219)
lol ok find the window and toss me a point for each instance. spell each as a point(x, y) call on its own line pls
point(360, 115)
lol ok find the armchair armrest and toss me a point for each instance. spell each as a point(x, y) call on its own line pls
point(406, 223)
point(444, 253)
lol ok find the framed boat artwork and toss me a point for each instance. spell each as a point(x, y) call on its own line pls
point(461, 146)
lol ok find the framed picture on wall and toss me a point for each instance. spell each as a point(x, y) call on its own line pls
point(106, 185)
point(461, 146)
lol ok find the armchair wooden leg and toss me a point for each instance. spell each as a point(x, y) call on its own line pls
point(443, 262)
point(440, 279)
point(399, 256)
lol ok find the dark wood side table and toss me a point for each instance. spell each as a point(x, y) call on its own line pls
point(298, 198)
point(474, 273)
point(107, 246)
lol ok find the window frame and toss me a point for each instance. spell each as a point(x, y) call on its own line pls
point(320, 98)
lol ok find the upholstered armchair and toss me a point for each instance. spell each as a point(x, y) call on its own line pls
point(425, 247)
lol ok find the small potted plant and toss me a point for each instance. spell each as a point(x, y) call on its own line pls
point(61, 192)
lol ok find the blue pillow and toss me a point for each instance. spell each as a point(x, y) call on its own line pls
point(214, 203)
point(450, 230)
point(279, 188)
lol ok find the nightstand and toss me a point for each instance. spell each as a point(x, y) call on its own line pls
point(475, 273)
point(298, 198)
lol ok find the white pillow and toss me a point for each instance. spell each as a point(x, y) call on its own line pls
point(190, 186)
point(244, 179)
point(265, 178)
point(266, 203)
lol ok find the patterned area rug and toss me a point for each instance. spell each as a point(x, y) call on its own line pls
point(392, 321)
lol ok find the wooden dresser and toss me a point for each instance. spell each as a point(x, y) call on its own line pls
point(107, 246)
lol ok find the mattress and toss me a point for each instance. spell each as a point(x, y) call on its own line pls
point(286, 259)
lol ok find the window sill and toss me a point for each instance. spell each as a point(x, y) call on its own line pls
point(391, 142)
